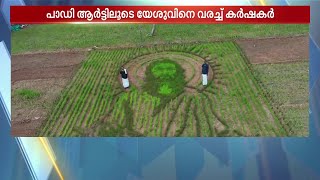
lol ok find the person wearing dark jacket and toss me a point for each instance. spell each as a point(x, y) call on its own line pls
point(205, 71)
point(124, 77)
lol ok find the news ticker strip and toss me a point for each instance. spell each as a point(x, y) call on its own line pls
point(161, 14)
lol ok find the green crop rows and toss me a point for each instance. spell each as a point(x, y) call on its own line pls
point(233, 103)
point(164, 79)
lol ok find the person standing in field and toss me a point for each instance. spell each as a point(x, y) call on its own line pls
point(124, 76)
point(205, 71)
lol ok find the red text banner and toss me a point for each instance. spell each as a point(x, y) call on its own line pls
point(161, 14)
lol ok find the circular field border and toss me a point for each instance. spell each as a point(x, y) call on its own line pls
point(189, 62)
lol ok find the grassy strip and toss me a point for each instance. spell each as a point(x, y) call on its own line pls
point(56, 37)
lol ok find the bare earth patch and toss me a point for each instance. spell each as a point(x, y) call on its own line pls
point(45, 73)
point(289, 50)
point(276, 50)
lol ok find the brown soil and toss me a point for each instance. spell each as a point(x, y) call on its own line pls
point(276, 50)
point(28, 116)
point(44, 66)
point(46, 73)
point(219, 126)
point(43, 73)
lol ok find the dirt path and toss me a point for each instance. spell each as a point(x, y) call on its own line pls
point(45, 73)
point(276, 50)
